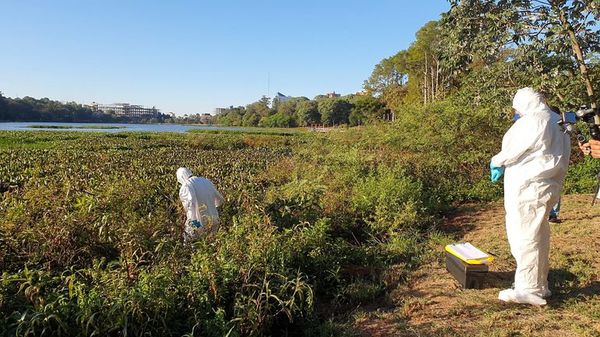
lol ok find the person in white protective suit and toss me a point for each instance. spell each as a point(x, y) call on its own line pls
point(534, 159)
point(200, 200)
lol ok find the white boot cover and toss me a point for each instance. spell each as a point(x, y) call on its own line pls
point(515, 296)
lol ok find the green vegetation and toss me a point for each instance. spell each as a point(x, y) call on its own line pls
point(29, 109)
point(300, 111)
point(251, 130)
point(313, 224)
point(90, 230)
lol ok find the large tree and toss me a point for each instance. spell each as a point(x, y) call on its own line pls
point(366, 108)
point(427, 76)
point(555, 39)
point(415, 75)
point(389, 79)
point(307, 113)
point(334, 111)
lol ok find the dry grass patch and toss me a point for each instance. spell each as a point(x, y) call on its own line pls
point(432, 303)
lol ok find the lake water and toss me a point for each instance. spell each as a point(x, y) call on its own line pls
point(102, 127)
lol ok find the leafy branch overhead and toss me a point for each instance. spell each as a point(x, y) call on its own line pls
point(554, 39)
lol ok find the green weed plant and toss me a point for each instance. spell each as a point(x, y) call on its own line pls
point(313, 224)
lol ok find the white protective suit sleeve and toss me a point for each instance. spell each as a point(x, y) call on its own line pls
point(523, 136)
point(185, 195)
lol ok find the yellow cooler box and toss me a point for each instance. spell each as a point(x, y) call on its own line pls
point(468, 264)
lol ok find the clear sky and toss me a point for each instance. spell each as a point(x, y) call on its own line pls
point(194, 56)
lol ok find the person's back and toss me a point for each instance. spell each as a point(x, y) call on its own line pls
point(207, 200)
point(546, 161)
point(200, 200)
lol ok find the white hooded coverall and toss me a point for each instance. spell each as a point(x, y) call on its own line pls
point(535, 154)
point(200, 200)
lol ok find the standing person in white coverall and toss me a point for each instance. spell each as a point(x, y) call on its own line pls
point(200, 200)
point(534, 158)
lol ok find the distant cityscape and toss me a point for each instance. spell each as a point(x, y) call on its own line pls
point(139, 111)
point(125, 110)
point(280, 98)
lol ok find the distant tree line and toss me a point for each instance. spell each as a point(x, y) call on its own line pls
point(475, 57)
point(29, 109)
point(300, 111)
point(205, 118)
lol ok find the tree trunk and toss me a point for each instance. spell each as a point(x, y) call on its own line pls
point(425, 85)
point(437, 76)
point(583, 69)
point(425, 81)
point(433, 89)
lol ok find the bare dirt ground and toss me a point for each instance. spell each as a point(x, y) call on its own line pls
point(433, 304)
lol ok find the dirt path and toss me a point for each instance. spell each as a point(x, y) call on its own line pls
point(433, 304)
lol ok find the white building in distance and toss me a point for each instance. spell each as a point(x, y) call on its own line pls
point(279, 97)
point(125, 110)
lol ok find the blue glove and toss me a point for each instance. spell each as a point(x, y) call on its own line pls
point(496, 172)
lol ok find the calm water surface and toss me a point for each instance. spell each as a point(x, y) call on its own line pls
point(90, 127)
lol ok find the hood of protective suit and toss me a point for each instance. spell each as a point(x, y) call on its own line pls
point(528, 102)
point(183, 174)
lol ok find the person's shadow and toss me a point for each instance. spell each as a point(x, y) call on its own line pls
point(499, 279)
point(563, 284)
point(565, 287)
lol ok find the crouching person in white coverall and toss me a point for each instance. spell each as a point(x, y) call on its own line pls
point(534, 160)
point(200, 200)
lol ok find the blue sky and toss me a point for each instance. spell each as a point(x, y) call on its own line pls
point(194, 56)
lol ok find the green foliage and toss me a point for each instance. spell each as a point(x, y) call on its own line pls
point(278, 120)
point(388, 80)
point(295, 202)
point(334, 111)
point(365, 109)
point(238, 117)
point(451, 150)
point(388, 200)
point(90, 232)
point(300, 111)
point(363, 291)
point(251, 115)
point(582, 176)
point(30, 109)
point(554, 41)
point(415, 75)
point(308, 113)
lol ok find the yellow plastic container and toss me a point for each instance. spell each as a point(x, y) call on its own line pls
point(469, 254)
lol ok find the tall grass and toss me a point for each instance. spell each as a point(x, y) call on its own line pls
point(90, 224)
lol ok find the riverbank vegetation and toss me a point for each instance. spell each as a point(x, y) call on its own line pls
point(29, 109)
point(313, 224)
point(91, 233)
